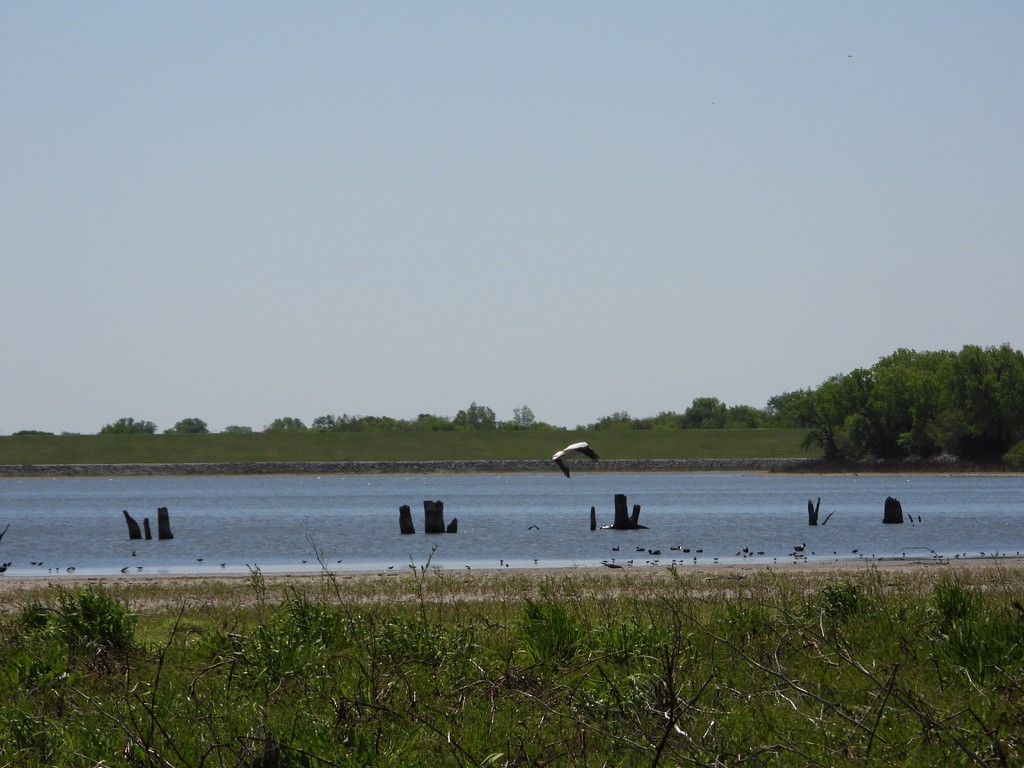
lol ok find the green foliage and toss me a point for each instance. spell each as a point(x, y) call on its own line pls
point(1014, 457)
point(968, 404)
point(617, 420)
point(841, 599)
point(129, 426)
point(285, 424)
point(84, 626)
point(705, 413)
point(625, 669)
point(523, 418)
point(188, 427)
point(475, 417)
point(978, 640)
point(550, 630)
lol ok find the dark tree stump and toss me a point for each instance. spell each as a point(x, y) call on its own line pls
point(623, 520)
point(134, 532)
point(893, 511)
point(433, 514)
point(145, 527)
point(621, 513)
point(593, 518)
point(453, 526)
point(405, 519)
point(812, 511)
point(163, 524)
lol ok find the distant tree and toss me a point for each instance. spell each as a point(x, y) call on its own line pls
point(475, 417)
point(744, 417)
point(667, 420)
point(129, 426)
point(705, 413)
point(617, 420)
point(327, 423)
point(428, 422)
point(32, 432)
point(188, 427)
point(286, 424)
point(523, 418)
point(234, 429)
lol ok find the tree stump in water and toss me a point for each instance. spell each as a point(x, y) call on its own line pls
point(433, 514)
point(453, 526)
point(593, 518)
point(163, 524)
point(145, 527)
point(405, 519)
point(812, 511)
point(623, 520)
point(134, 532)
point(893, 511)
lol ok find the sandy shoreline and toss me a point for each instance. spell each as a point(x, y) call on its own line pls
point(986, 567)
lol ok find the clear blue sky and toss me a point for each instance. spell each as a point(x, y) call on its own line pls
point(241, 211)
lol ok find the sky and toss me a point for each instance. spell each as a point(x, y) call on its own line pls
point(241, 211)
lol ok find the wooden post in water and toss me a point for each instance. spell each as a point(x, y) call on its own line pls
point(134, 532)
point(893, 511)
point(145, 527)
point(593, 518)
point(433, 514)
point(163, 524)
point(453, 526)
point(405, 519)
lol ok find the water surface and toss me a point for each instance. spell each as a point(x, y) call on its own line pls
point(350, 522)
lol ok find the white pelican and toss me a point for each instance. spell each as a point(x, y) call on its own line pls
point(583, 448)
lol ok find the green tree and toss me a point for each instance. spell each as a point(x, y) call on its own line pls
point(234, 429)
point(616, 420)
point(667, 420)
point(475, 417)
point(744, 417)
point(188, 427)
point(705, 413)
point(428, 422)
point(326, 423)
point(129, 426)
point(523, 418)
point(818, 410)
point(285, 424)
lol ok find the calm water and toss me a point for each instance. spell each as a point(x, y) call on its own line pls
point(226, 524)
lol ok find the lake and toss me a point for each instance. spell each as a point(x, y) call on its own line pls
point(297, 523)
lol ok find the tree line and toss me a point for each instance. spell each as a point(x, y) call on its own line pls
point(967, 404)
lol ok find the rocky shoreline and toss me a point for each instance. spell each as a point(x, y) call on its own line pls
point(805, 465)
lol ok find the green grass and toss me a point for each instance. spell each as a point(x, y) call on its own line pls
point(401, 446)
point(584, 669)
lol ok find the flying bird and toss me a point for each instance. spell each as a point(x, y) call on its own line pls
point(583, 448)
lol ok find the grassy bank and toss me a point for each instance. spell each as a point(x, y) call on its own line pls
point(401, 446)
point(921, 667)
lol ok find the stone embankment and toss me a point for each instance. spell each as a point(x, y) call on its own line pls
point(408, 467)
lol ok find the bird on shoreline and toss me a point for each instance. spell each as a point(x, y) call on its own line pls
point(583, 448)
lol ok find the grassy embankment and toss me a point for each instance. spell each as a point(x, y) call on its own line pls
point(434, 668)
point(400, 446)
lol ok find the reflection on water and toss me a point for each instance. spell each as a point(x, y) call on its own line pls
point(350, 522)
